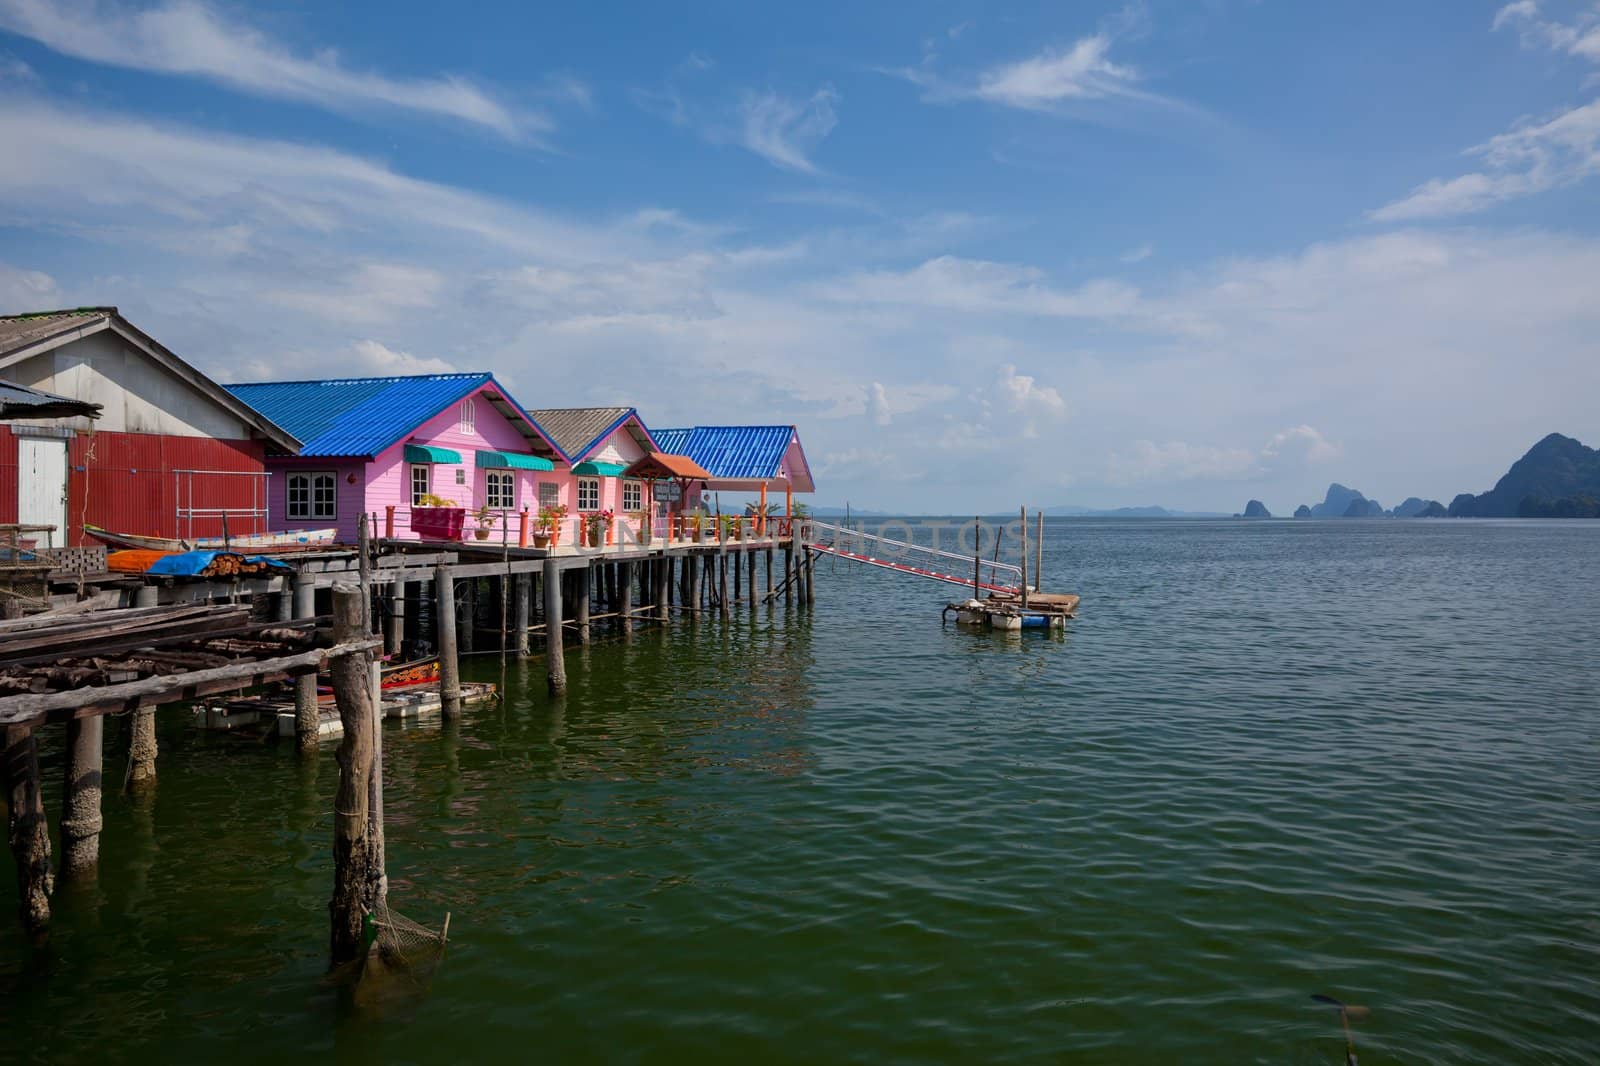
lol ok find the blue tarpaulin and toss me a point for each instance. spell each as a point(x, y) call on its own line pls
point(193, 564)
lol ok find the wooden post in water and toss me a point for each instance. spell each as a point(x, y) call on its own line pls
point(1024, 557)
point(141, 772)
point(80, 797)
point(722, 581)
point(625, 601)
point(394, 633)
point(580, 612)
point(29, 829)
point(768, 554)
point(444, 620)
point(750, 577)
point(691, 564)
point(738, 593)
point(1038, 555)
point(663, 576)
point(357, 873)
point(467, 622)
point(523, 601)
point(554, 656)
point(305, 686)
point(788, 568)
point(977, 554)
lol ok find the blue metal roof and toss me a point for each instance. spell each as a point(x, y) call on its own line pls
point(356, 416)
point(730, 452)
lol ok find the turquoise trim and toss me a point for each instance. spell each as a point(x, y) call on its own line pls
point(514, 461)
point(590, 468)
point(428, 453)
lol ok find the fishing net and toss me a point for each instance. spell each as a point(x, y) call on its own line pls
point(401, 948)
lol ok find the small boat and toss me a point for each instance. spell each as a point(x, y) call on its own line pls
point(396, 675)
point(289, 540)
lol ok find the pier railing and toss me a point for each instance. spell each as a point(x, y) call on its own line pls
point(858, 544)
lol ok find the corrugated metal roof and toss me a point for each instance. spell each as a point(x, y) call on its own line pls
point(731, 452)
point(19, 401)
point(356, 416)
point(19, 331)
point(576, 430)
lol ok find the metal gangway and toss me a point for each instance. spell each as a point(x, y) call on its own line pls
point(845, 538)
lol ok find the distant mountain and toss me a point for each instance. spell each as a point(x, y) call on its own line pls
point(1336, 502)
point(1434, 509)
point(1557, 478)
point(1302, 511)
point(1360, 507)
point(1256, 509)
point(1411, 508)
point(1074, 511)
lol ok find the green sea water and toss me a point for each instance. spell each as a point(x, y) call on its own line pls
point(1268, 760)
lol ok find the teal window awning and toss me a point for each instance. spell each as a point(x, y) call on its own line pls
point(428, 453)
point(590, 468)
point(514, 461)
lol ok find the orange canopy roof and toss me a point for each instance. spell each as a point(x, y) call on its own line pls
point(663, 465)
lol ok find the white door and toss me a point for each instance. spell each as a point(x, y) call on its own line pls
point(42, 486)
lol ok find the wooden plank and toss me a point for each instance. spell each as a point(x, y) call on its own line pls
point(34, 708)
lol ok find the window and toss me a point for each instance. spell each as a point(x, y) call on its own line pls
point(312, 495)
point(461, 475)
point(469, 417)
point(633, 496)
point(549, 494)
point(588, 494)
point(420, 483)
point(500, 490)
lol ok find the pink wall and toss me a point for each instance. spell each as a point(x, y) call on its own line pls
point(347, 496)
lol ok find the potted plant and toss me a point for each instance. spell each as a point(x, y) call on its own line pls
point(597, 524)
point(548, 531)
point(486, 519)
point(641, 524)
point(438, 518)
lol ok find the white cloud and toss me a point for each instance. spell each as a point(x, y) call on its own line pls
point(878, 409)
point(372, 292)
point(1298, 446)
point(376, 358)
point(949, 283)
point(1287, 451)
point(1028, 401)
point(1532, 158)
point(14, 69)
point(188, 37)
point(1581, 37)
point(784, 131)
point(1139, 254)
point(1081, 72)
point(27, 290)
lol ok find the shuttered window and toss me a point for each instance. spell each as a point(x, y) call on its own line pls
point(312, 496)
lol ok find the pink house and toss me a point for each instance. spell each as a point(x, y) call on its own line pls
point(599, 443)
point(373, 443)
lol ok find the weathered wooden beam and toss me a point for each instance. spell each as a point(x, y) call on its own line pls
point(394, 630)
point(444, 622)
point(555, 657)
point(522, 600)
point(580, 611)
point(625, 600)
point(307, 719)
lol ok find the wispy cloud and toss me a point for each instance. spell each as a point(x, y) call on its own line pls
point(1580, 37)
point(1287, 450)
point(953, 284)
point(785, 131)
point(188, 37)
point(1533, 158)
point(1082, 72)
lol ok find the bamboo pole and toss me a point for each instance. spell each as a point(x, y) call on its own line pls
point(357, 876)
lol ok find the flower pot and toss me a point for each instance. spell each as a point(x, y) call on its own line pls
point(481, 533)
point(438, 523)
point(541, 540)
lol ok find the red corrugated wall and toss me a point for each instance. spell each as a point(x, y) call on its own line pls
point(8, 475)
point(125, 482)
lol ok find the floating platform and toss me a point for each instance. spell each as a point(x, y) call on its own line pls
point(1044, 611)
point(274, 715)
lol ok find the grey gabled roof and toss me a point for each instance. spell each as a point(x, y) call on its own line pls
point(577, 430)
point(22, 336)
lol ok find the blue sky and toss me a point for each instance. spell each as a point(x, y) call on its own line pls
point(1187, 253)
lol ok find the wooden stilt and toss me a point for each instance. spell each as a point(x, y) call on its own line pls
point(750, 577)
point(554, 656)
point(80, 797)
point(788, 572)
point(29, 830)
point(691, 565)
point(141, 772)
point(467, 622)
point(285, 604)
point(768, 554)
point(444, 592)
point(625, 603)
point(357, 875)
point(581, 594)
point(305, 688)
point(394, 633)
point(522, 601)
point(722, 582)
point(663, 576)
point(738, 593)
